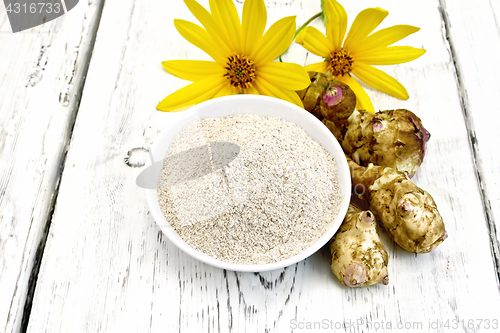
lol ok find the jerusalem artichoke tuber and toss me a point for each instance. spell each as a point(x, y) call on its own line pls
point(408, 213)
point(358, 257)
point(328, 98)
point(394, 138)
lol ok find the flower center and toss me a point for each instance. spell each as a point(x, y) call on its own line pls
point(240, 71)
point(340, 63)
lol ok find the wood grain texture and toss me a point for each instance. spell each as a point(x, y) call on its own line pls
point(107, 267)
point(475, 45)
point(42, 74)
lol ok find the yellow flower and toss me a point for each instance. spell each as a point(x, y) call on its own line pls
point(359, 51)
point(242, 55)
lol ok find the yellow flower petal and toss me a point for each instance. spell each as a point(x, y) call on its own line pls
point(389, 55)
point(252, 91)
point(318, 67)
point(366, 21)
point(192, 70)
point(194, 93)
point(212, 27)
point(336, 23)
point(379, 80)
point(197, 36)
point(266, 88)
point(315, 42)
point(276, 41)
point(285, 75)
point(363, 101)
point(254, 23)
point(386, 37)
point(224, 11)
point(226, 90)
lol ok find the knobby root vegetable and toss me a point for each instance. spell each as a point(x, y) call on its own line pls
point(394, 138)
point(408, 213)
point(358, 257)
point(327, 98)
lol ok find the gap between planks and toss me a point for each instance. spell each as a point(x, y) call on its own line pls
point(37, 260)
point(478, 165)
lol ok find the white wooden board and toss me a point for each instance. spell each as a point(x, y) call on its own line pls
point(475, 40)
point(42, 72)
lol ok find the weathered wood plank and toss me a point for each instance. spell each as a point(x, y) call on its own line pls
point(107, 267)
point(475, 41)
point(42, 74)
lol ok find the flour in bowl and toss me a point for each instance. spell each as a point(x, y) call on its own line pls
point(248, 189)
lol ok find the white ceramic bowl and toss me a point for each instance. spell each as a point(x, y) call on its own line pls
point(247, 104)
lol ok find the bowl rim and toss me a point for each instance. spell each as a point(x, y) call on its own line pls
point(192, 114)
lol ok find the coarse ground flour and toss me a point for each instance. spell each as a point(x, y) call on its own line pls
point(248, 189)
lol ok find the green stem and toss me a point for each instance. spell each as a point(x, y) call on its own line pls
point(301, 28)
point(307, 23)
point(323, 11)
